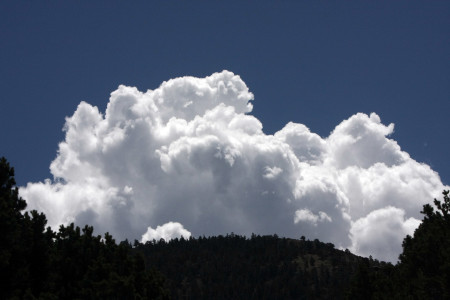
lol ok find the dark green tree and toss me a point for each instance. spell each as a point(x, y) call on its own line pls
point(36, 263)
point(425, 262)
point(12, 265)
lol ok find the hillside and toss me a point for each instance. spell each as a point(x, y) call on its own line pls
point(260, 267)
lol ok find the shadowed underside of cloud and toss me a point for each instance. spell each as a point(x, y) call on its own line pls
point(188, 157)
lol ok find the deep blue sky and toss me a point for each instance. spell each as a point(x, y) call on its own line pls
point(311, 62)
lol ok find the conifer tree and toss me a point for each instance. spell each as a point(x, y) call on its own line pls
point(425, 262)
point(11, 205)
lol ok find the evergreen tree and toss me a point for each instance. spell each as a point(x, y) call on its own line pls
point(12, 265)
point(35, 262)
point(423, 271)
point(425, 262)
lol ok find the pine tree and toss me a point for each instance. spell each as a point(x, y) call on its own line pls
point(425, 261)
point(12, 266)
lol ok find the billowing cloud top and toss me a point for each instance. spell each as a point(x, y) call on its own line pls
point(188, 157)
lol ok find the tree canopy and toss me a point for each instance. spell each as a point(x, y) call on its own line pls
point(425, 261)
point(74, 263)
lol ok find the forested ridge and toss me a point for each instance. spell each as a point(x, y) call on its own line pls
point(73, 263)
point(260, 267)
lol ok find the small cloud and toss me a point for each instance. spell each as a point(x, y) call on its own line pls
point(167, 232)
point(305, 215)
point(271, 173)
point(128, 190)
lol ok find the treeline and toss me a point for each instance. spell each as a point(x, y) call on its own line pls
point(37, 263)
point(269, 267)
point(423, 271)
point(73, 263)
point(260, 267)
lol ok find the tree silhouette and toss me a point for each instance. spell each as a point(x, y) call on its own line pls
point(12, 264)
point(73, 263)
point(425, 261)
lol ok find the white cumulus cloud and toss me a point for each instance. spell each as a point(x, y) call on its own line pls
point(167, 232)
point(377, 233)
point(191, 152)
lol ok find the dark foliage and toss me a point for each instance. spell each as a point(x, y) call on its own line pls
point(425, 261)
point(262, 267)
point(424, 268)
point(37, 263)
point(73, 263)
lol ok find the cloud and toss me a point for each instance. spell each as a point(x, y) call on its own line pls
point(378, 233)
point(190, 152)
point(167, 232)
point(305, 215)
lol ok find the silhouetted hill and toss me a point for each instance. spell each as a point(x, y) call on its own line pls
point(260, 267)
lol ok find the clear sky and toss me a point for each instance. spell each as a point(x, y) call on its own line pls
point(315, 63)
